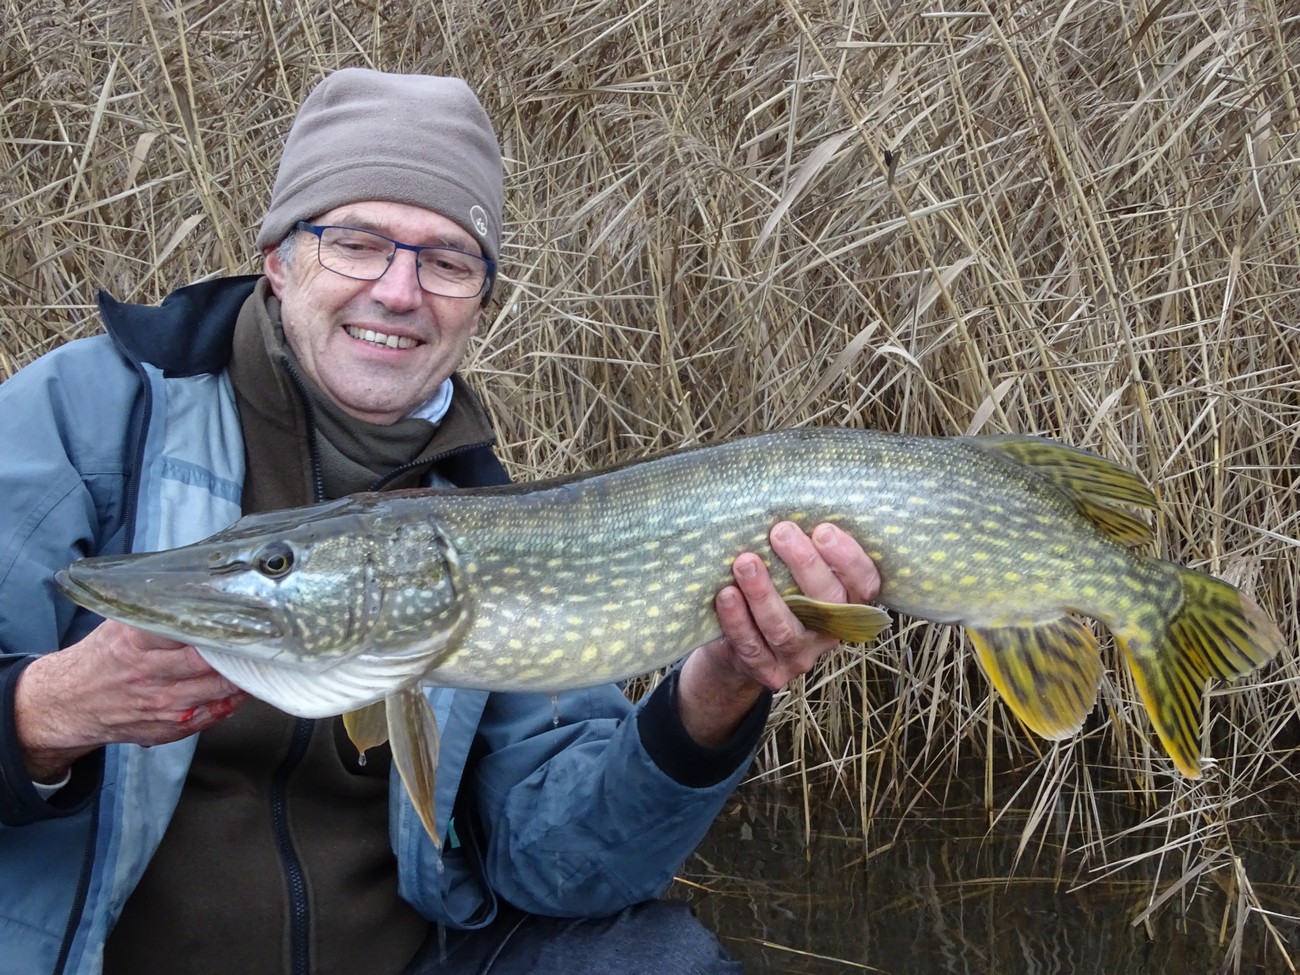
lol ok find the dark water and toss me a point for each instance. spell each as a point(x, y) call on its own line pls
point(945, 896)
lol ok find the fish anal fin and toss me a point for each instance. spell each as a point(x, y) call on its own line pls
point(1047, 672)
point(850, 622)
point(1216, 632)
point(413, 732)
point(367, 727)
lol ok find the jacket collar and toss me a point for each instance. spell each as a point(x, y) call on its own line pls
point(188, 334)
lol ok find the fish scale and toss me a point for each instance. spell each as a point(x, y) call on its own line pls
point(597, 577)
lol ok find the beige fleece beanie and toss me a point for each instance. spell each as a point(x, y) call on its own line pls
point(367, 135)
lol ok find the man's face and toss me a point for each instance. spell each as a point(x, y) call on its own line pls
point(327, 315)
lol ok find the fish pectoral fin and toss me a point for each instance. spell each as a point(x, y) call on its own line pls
point(850, 622)
point(1048, 673)
point(367, 727)
point(413, 731)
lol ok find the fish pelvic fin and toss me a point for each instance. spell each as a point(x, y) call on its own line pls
point(1047, 672)
point(850, 622)
point(1217, 631)
point(413, 730)
point(367, 727)
point(1095, 485)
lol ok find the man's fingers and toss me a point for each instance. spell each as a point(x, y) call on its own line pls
point(807, 563)
point(776, 625)
point(846, 559)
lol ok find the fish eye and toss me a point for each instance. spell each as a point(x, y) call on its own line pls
point(274, 560)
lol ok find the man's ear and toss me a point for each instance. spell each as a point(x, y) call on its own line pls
point(274, 267)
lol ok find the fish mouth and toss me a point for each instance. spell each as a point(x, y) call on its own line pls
point(185, 607)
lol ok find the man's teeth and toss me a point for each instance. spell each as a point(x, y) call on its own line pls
point(380, 338)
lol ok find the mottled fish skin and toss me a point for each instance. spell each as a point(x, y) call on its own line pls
point(598, 577)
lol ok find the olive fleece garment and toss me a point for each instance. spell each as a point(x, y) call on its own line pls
point(277, 811)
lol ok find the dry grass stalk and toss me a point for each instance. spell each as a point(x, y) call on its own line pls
point(1074, 219)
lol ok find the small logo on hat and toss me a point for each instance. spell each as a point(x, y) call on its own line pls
point(478, 217)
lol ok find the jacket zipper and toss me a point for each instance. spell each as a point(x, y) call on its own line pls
point(82, 893)
point(290, 862)
point(429, 462)
point(295, 879)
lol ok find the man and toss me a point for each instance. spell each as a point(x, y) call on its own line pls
point(156, 819)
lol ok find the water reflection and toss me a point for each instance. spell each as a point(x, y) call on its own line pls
point(946, 896)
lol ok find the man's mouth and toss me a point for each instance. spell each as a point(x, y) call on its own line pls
point(380, 338)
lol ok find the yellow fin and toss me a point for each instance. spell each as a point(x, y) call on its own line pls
point(1048, 673)
point(413, 731)
point(367, 727)
point(850, 622)
point(1216, 632)
point(1094, 484)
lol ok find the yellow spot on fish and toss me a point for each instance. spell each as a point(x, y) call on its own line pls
point(1011, 576)
point(968, 580)
point(938, 556)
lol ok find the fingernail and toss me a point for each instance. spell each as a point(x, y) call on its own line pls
point(783, 532)
point(746, 568)
point(825, 533)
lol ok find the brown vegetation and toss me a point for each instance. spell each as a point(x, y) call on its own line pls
point(1074, 219)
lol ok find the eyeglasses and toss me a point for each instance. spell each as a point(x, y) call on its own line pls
point(365, 256)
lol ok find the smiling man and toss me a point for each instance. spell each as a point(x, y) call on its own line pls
point(156, 819)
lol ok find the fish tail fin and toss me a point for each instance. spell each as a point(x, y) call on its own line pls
point(1047, 672)
point(1217, 631)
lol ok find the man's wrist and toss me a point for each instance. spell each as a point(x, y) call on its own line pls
point(682, 757)
point(48, 761)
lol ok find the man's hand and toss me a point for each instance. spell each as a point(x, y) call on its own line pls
point(118, 685)
point(762, 644)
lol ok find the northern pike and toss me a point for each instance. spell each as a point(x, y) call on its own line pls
point(348, 607)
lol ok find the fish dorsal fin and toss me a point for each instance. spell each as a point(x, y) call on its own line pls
point(1094, 484)
point(1047, 672)
point(367, 727)
point(850, 622)
point(413, 731)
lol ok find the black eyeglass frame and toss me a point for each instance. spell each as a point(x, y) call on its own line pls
point(318, 231)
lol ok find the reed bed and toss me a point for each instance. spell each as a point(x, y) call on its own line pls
point(1073, 219)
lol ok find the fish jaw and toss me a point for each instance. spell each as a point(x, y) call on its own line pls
point(172, 600)
point(325, 613)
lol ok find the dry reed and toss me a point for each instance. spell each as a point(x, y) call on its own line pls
point(1074, 219)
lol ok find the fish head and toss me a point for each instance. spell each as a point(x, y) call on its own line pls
point(304, 590)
